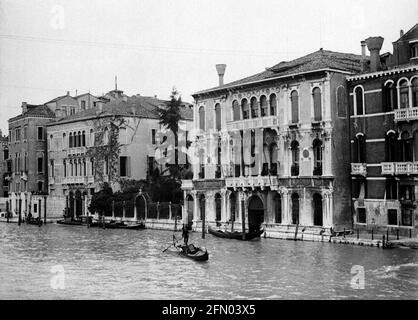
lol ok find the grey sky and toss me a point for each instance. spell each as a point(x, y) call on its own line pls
point(153, 45)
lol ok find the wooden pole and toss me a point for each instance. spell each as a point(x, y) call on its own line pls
point(243, 219)
point(203, 221)
point(7, 210)
point(39, 212)
point(20, 212)
point(45, 210)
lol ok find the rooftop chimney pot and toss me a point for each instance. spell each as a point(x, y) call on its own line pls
point(220, 68)
point(374, 44)
point(401, 33)
point(24, 107)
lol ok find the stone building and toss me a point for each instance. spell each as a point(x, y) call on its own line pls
point(384, 137)
point(112, 142)
point(4, 170)
point(271, 150)
point(28, 158)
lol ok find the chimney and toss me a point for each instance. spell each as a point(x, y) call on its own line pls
point(401, 33)
point(68, 93)
point(363, 56)
point(374, 44)
point(24, 107)
point(220, 68)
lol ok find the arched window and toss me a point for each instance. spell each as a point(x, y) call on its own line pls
point(218, 208)
point(404, 94)
point(218, 116)
point(91, 137)
point(277, 209)
point(273, 105)
point(106, 137)
point(71, 168)
point(64, 142)
point(274, 159)
point(341, 102)
point(317, 151)
point(64, 165)
point(406, 154)
point(359, 149)
point(358, 95)
point(83, 139)
point(316, 94)
point(263, 106)
point(295, 158)
point(245, 109)
point(202, 207)
point(79, 139)
point(295, 208)
point(389, 97)
point(202, 118)
point(254, 108)
point(295, 106)
point(236, 111)
point(71, 140)
point(317, 206)
point(233, 204)
point(414, 87)
point(390, 147)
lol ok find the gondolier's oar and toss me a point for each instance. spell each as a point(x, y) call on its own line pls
point(173, 244)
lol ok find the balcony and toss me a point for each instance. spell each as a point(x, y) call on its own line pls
point(406, 114)
point(359, 169)
point(263, 122)
point(251, 182)
point(77, 180)
point(76, 151)
point(187, 184)
point(399, 168)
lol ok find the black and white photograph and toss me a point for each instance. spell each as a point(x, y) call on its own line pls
point(226, 152)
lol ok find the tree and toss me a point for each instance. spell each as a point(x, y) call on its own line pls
point(170, 117)
point(101, 201)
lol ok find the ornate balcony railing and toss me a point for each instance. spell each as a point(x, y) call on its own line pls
point(262, 122)
point(359, 169)
point(406, 114)
point(400, 168)
point(187, 184)
point(251, 182)
point(78, 150)
point(75, 180)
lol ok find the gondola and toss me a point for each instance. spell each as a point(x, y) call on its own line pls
point(36, 221)
point(192, 252)
point(235, 234)
point(118, 225)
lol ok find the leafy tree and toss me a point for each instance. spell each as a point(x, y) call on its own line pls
point(101, 201)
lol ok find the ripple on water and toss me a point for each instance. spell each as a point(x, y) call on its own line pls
point(127, 264)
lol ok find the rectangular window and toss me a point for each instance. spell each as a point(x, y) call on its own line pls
point(35, 208)
point(25, 132)
point(361, 215)
point(392, 217)
point(407, 193)
point(83, 105)
point(414, 50)
point(153, 133)
point(391, 189)
point(40, 164)
point(124, 167)
point(40, 186)
point(151, 166)
point(406, 216)
point(5, 154)
point(40, 133)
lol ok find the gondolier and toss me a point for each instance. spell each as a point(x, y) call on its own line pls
point(185, 234)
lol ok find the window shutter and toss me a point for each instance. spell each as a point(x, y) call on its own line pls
point(128, 166)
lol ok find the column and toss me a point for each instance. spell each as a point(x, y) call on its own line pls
point(123, 210)
point(224, 212)
point(327, 162)
point(113, 210)
point(260, 149)
point(196, 205)
point(285, 207)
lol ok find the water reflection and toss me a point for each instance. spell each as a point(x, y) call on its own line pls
point(127, 264)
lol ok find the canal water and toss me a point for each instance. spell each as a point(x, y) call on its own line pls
point(129, 264)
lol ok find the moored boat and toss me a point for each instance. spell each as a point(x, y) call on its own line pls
point(118, 225)
point(235, 234)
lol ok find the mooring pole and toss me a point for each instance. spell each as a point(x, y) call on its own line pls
point(243, 219)
point(7, 211)
point(203, 223)
point(39, 212)
point(20, 212)
point(45, 210)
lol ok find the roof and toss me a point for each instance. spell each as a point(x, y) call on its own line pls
point(406, 34)
point(58, 98)
point(139, 106)
point(35, 111)
point(316, 61)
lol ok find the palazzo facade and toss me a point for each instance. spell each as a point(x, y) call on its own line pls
point(272, 150)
